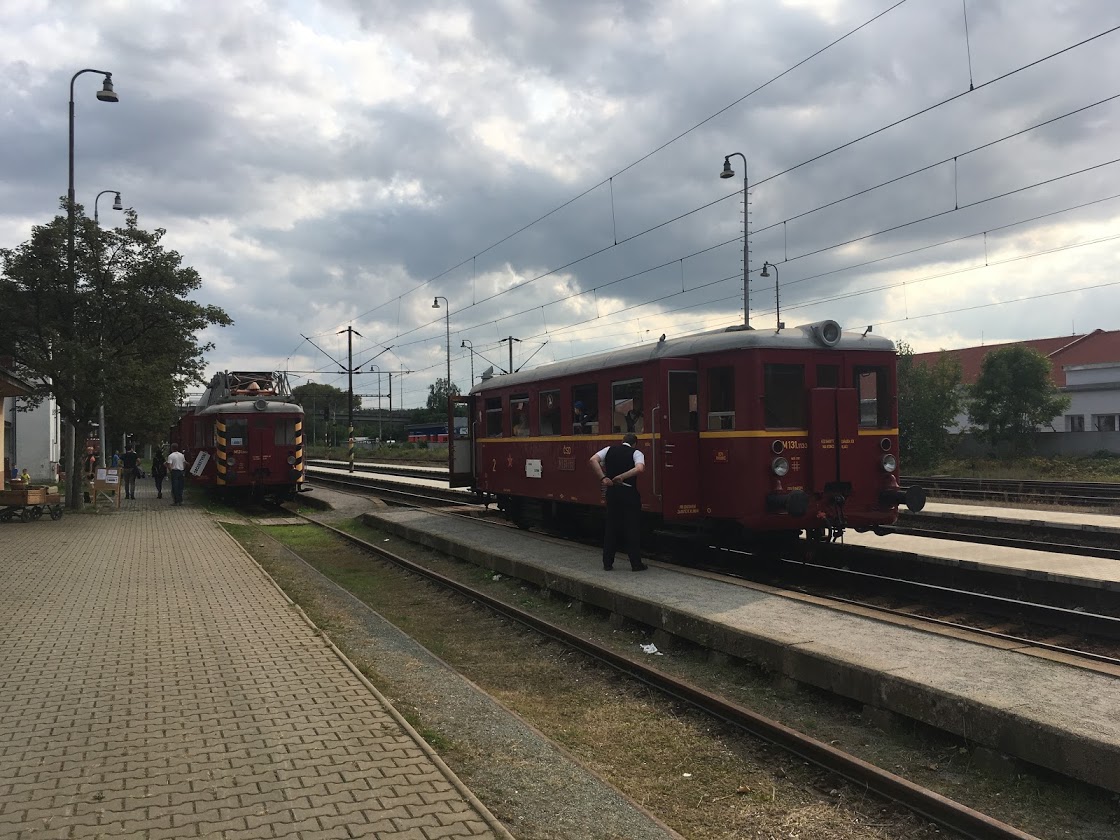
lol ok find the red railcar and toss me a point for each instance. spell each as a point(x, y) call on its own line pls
point(244, 436)
point(745, 432)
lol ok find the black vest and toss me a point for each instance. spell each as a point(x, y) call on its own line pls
point(618, 460)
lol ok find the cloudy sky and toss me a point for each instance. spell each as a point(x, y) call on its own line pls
point(552, 167)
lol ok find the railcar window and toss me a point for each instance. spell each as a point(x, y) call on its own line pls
point(519, 411)
point(682, 401)
point(784, 403)
point(284, 432)
point(585, 409)
point(721, 398)
point(549, 404)
point(627, 406)
point(237, 433)
point(873, 387)
point(494, 417)
point(828, 376)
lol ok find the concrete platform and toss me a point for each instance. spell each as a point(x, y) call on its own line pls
point(1033, 707)
point(1072, 519)
point(155, 683)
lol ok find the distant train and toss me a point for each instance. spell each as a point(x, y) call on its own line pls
point(745, 433)
point(244, 436)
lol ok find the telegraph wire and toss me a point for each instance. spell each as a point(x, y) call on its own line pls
point(783, 172)
point(936, 164)
point(936, 105)
point(646, 156)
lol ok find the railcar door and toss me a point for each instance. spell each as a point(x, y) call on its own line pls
point(460, 450)
point(677, 440)
point(260, 448)
point(833, 428)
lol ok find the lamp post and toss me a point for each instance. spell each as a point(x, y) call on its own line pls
point(728, 172)
point(447, 320)
point(116, 203)
point(466, 342)
point(106, 94)
point(101, 408)
point(777, 302)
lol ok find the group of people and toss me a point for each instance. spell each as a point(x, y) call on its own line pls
point(21, 475)
point(173, 466)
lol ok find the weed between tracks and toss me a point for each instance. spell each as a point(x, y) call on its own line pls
point(700, 777)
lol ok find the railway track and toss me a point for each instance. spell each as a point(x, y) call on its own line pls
point(1077, 494)
point(1075, 620)
point(945, 812)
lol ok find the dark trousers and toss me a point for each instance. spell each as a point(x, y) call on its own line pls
point(177, 486)
point(129, 483)
point(624, 524)
point(158, 478)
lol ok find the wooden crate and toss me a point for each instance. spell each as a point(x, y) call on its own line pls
point(34, 496)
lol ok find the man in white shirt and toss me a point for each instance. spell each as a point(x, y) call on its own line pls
point(176, 468)
point(618, 468)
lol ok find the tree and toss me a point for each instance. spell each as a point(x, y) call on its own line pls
point(315, 397)
point(438, 393)
point(120, 331)
point(1013, 395)
point(929, 399)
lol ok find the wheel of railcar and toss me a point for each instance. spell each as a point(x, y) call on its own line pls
point(56, 512)
point(24, 515)
point(5, 516)
point(36, 512)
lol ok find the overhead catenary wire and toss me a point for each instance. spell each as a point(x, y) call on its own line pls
point(707, 205)
point(818, 157)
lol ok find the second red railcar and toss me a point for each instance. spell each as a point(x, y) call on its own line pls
point(745, 432)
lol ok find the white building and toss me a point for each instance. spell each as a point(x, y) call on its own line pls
point(31, 439)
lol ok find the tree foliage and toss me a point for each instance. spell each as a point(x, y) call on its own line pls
point(120, 331)
point(1013, 396)
point(317, 398)
point(438, 392)
point(929, 399)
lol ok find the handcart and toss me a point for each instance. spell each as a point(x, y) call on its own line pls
point(29, 504)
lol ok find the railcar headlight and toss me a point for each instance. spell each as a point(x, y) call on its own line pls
point(780, 466)
point(890, 463)
point(291, 459)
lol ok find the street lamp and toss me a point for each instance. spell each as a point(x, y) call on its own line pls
point(101, 409)
point(116, 203)
point(447, 320)
point(466, 342)
point(777, 302)
point(106, 94)
point(728, 172)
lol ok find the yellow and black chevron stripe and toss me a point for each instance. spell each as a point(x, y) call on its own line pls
point(220, 454)
point(298, 465)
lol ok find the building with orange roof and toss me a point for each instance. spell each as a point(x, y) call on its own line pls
point(1084, 367)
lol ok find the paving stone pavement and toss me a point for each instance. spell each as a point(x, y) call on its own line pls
point(154, 683)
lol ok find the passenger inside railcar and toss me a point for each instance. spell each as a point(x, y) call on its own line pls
point(581, 422)
point(550, 412)
point(521, 425)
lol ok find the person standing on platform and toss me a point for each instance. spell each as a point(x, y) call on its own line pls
point(129, 462)
point(159, 471)
point(91, 471)
point(618, 468)
point(177, 467)
point(25, 477)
